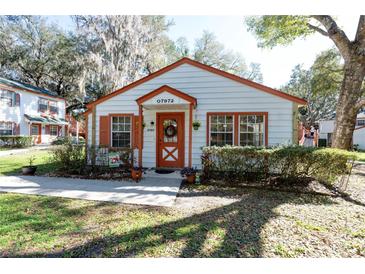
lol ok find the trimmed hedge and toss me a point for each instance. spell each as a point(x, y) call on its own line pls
point(16, 141)
point(234, 163)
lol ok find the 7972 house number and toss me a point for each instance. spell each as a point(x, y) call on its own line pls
point(165, 101)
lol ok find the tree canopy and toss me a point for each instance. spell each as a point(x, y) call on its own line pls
point(283, 30)
point(319, 85)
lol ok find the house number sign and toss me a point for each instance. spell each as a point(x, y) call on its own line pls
point(165, 101)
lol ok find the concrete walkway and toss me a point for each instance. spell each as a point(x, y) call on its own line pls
point(22, 150)
point(155, 191)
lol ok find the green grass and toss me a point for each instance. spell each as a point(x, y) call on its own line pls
point(360, 155)
point(260, 224)
point(12, 164)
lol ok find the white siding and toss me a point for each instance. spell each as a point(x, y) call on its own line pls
point(214, 93)
point(28, 105)
point(359, 138)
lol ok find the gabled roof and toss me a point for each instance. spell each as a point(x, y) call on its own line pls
point(204, 67)
point(27, 87)
point(168, 89)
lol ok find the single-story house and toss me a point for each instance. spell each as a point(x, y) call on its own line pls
point(155, 115)
point(326, 128)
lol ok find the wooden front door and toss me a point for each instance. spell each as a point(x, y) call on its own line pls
point(170, 139)
point(36, 132)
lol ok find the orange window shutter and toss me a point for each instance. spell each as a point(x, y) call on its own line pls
point(136, 139)
point(48, 131)
point(104, 131)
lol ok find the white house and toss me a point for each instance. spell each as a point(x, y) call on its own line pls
point(326, 128)
point(29, 110)
point(155, 115)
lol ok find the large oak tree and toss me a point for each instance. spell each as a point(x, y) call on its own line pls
point(282, 30)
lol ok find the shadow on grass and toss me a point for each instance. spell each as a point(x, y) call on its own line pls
point(228, 231)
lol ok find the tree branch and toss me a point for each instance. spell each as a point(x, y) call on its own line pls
point(360, 104)
point(360, 33)
point(317, 29)
point(337, 35)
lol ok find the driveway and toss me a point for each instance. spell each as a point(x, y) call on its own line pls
point(154, 190)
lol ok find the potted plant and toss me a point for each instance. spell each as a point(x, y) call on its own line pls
point(136, 172)
point(29, 170)
point(196, 125)
point(189, 173)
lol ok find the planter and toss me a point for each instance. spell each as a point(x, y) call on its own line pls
point(136, 174)
point(191, 178)
point(29, 170)
point(196, 127)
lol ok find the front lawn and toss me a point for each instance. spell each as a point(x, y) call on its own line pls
point(12, 164)
point(205, 222)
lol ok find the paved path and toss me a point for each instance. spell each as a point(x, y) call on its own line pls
point(22, 150)
point(156, 191)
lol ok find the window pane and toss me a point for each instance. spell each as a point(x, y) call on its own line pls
point(259, 119)
point(243, 128)
point(221, 130)
point(229, 119)
point(252, 133)
point(121, 139)
point(121, 131)
point(243, 119)
point(251, 118)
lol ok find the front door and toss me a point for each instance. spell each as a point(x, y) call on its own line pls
point(170, 139)
point(35, 131)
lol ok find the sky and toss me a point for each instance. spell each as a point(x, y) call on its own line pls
point(276, 63)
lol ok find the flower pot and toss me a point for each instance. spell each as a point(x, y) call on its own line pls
point(29, 170)
point(136, 174)
point(196, 127)
point(191, 178)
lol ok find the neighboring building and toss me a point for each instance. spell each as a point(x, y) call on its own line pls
point(326, 128)
point(158, 111)
point(76, 127)
point(29, 110)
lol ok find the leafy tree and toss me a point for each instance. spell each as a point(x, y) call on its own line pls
point(208, 50)
point(119, 49)
point(319, 85)
point(39, 54)
point(282, 30)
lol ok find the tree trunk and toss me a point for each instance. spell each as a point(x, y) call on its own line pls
point(346, 110)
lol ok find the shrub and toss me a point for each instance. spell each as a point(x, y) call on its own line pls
point(69, 157)
point(233, 163)
point(65, 140)
point(16, 141)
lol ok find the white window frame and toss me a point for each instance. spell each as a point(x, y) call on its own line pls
point(50, 130)
point(9, 96)
point(362, 124)
point(121, 131)
point(7, 126)
point(210, 127)
point(247, 132)
point(52, 103)
point(39, 103)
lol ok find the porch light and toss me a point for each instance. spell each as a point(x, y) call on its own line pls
point(152, 123)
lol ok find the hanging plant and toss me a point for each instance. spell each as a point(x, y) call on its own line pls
point(196, 125)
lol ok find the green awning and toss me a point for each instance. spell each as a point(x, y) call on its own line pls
point(46, 120)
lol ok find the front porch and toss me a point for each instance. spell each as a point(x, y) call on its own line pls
point(165, 121)
point(45, 129)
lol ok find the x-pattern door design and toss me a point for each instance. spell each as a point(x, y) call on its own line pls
point(170, 139)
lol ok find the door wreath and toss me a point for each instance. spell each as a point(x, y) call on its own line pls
point(170, 131)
